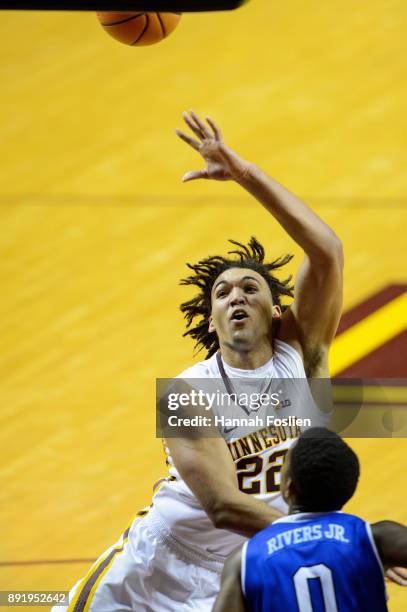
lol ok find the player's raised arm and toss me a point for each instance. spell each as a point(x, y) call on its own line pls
point(207, 468)
point(311, 322)
point(230, 596)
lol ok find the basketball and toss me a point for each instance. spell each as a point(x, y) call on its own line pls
point(139, 28)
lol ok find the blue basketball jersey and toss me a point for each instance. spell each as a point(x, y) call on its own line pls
point(309, 562)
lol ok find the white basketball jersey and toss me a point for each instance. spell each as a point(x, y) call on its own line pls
point(258, 455)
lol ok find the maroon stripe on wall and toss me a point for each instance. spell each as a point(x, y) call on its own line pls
point(368, 306)
point(45, 562)
point(387, 361)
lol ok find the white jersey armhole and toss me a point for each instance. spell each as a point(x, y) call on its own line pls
point(376, 553)
point(243, 568)
point(286, 350)
point(289, 348)
point(373, 545)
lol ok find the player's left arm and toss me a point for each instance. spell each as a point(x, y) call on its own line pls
point(310, 323)
point(230, 595)
point(391, 541)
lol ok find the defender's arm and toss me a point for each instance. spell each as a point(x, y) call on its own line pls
point(391, 542)
point(230, 596)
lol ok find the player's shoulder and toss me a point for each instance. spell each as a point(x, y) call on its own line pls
point(321, 526)
point(293, 521)
point(202, 369)
point(346, 517)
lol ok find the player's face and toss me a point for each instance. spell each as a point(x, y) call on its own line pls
point(242, 308)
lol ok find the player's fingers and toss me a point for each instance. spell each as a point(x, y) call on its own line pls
point(188, 139)
point(394, 575)
point(195, 174)
point(215, 128)
point(200, 124)
point(401, 573)
point(192, 125)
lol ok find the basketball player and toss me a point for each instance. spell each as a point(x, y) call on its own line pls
point(316, 558)
point(220, 490)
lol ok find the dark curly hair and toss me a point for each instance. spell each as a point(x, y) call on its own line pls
point(207, 270)
point(324, 470)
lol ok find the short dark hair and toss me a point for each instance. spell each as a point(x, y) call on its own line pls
point(206, 271)
point(324, 470)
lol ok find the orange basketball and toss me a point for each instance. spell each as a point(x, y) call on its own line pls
point(139, 28)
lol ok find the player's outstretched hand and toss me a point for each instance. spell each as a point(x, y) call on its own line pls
point(222, 164)
point(397, 575)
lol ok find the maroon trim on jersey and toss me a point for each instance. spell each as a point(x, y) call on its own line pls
point(89, 584)
point(164, 479)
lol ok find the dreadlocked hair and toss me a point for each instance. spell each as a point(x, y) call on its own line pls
point(197, 310)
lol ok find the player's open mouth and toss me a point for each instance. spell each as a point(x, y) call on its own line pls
point(239, 315)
